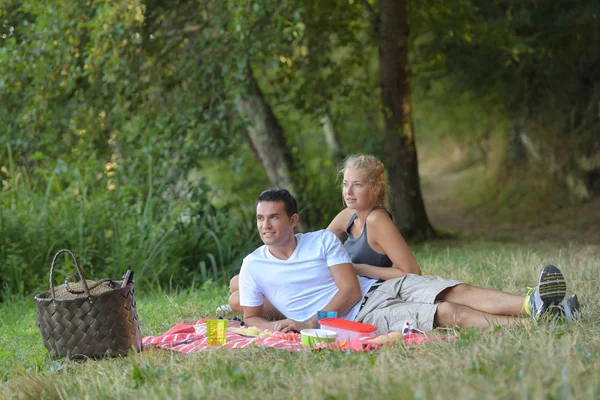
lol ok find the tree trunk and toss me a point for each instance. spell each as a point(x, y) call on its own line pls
point(406, 201)
point(266, 138)
point(331, 137)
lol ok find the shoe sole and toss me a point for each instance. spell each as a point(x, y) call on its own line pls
point(552, 286)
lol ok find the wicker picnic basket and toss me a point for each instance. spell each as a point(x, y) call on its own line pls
point(87, 318)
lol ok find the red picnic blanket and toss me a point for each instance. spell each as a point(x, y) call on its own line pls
point(191, 338)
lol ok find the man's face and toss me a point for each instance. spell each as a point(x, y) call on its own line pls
point(276, 228)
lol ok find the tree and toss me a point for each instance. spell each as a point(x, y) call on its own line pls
point(400, 152)
point(266, 138)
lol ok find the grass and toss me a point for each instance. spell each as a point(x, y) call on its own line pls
point(525, 361)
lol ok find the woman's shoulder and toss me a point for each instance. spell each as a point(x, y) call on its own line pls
point(343, 217)
point(379, 221)
point(347, 213)
point(378, 215)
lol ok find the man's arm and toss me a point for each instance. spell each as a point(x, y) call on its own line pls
point(253, 316)
point(250, 293)
point(349, 292)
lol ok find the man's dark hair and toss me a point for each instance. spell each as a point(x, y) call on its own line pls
point(278, 194)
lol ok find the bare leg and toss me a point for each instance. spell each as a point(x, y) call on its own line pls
point(269, 311)
point(486, 300)
point(451, 314)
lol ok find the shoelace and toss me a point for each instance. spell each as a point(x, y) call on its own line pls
point(530, 290)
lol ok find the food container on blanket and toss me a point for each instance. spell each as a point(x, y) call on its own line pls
point(348, 330)
point(312, 337)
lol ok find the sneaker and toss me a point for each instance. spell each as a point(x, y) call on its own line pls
point(224, 308)
point(570, 307)
point(550, 291)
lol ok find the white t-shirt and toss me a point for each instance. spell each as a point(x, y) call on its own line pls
point(301, 285)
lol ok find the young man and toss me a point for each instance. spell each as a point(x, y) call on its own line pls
point(301, 274)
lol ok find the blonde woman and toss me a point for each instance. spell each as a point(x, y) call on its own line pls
point(366, 227)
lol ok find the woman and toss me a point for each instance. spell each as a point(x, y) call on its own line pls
point(366, 227)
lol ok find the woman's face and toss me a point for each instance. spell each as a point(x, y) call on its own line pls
point(356, 190)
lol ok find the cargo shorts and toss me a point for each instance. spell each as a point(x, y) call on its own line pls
point(410, 298)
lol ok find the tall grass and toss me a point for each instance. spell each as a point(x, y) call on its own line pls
point(113, 224)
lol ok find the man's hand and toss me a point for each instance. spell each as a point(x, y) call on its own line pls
point(290, 325)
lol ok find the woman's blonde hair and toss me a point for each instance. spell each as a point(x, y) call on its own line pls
point(373, 169)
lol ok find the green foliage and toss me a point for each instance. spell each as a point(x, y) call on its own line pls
point(123, 141)
point(169, 237)
point(529, 61)
point(106, 120)
point(82, 78)
point(66, 75)
point(129, 80)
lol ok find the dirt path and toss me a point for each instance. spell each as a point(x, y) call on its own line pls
point(444, 207)
point(446, 211)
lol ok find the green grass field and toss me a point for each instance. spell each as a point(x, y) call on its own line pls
point(526, 361)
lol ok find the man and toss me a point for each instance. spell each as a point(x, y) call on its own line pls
point(301, 274)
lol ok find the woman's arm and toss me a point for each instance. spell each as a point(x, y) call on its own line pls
point(383, 234)
point(383, 273)
point(339, 223)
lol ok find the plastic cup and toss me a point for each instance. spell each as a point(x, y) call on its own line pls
point(216, 331)
point(325, 314)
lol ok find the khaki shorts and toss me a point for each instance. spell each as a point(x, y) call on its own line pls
point(410, 298)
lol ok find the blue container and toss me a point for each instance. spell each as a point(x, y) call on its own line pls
point(325, 314)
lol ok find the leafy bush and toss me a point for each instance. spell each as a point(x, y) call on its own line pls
point(170, 235)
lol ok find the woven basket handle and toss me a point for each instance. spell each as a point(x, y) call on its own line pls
point(79, 271)
point(90, 287)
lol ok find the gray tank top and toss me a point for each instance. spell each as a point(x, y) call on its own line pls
point(359, 249)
